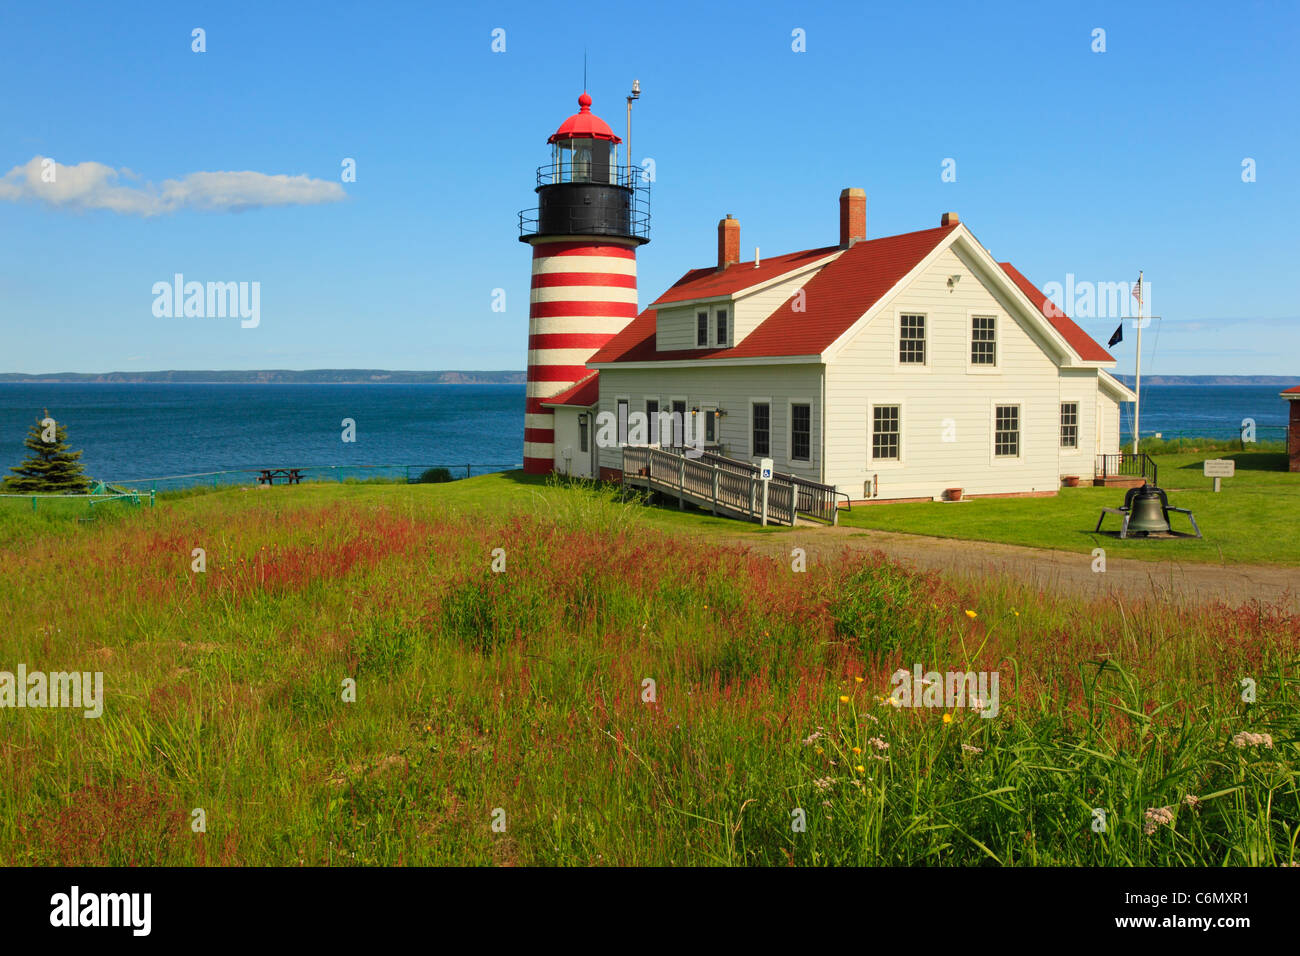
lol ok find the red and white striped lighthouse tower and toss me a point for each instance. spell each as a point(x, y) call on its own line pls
point(591, 215)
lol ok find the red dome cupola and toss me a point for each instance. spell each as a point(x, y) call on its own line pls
point(584, 124)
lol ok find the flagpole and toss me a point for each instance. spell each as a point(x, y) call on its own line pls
point(1137, 391)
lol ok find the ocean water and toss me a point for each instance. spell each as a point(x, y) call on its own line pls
point(1208, 411)
point(133, 432)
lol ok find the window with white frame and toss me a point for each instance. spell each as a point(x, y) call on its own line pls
point(1006, 431)
point(652, 419)
point(761, 429)
point(722, 327)
point(983, 340)
point(911, 339)
point(701, 329)
point(1069, 424)
point(679, 422)
point(886, 432)
point(800, 431)
point(621, 420)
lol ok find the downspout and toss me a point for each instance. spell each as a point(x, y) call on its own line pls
point(821, 426)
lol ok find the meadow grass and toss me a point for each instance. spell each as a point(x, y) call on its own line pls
point(521, 697)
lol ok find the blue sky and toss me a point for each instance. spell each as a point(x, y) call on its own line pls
point(1068, 161)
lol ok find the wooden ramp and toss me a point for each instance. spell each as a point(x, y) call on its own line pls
point(727, 487)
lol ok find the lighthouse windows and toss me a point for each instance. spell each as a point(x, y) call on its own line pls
point(581, 163)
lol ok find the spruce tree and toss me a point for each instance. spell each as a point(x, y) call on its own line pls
point(51, 467)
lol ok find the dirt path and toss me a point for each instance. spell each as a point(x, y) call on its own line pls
point(1060, 571)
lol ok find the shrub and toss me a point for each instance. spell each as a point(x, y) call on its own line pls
point(432, 476)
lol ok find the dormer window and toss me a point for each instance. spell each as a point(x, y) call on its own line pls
point(722, 327)
point(701, 329)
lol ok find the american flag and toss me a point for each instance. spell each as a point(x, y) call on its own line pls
point(1137, 289)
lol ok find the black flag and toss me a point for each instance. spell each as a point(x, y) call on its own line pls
point(1118, 336)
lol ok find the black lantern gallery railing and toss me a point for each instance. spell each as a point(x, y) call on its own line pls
point(573, 201)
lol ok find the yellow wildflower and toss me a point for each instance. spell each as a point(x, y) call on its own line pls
point(844, 698)
point(947, 718)
point(971, 614)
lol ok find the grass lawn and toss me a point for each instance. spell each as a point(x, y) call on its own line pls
point(620, 693)
point(1254, 520)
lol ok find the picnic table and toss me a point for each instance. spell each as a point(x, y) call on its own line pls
point(291, 476)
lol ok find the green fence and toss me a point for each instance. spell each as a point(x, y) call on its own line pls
point(126, 497)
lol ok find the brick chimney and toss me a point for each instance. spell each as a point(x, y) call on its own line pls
point(853, 216)
point(728, 242)
point(949, 219)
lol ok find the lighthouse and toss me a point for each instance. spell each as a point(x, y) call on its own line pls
point(592, 213)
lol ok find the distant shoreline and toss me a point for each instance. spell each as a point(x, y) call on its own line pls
point(271, 377)
point(357, 376)
point(1281, 381)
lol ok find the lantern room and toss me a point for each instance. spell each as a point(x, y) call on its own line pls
point(584, 149)
point(584, 190)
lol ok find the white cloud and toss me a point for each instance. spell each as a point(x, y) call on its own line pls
point(96, 186)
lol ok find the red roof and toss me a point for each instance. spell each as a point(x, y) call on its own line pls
point(1079, 340)
point(703, 283)
point(837, 296)
point(584, 124)
point(1292, 391)
point(584, 392)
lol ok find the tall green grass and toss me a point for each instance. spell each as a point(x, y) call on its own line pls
point(620, 694)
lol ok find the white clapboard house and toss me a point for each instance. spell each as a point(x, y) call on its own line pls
point(891, 368)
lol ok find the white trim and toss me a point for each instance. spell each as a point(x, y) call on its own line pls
point(749, 426)
point(832, 351)
point(971, 367)
point(1118, 389)
point(695, 327)
point(621, 440)
point(790, 403)
point(1062, 450)
point(652, 425)
point(569, 404)
point(713, 362)
point(1008, 460)
point(731, 314)
point(886, 464)
point(899, 364)
point(707, 409)
point(686, 410)
point(993, 275)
